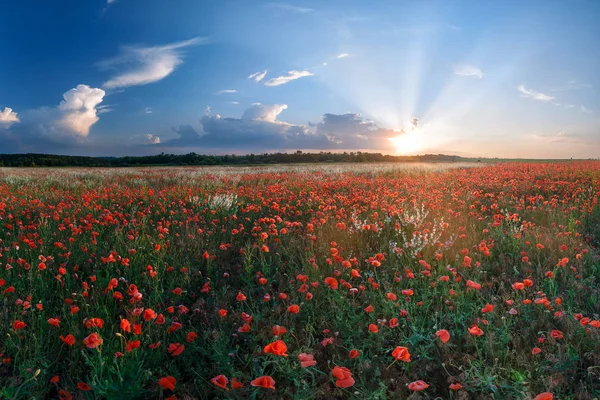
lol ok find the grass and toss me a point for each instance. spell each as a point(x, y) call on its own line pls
point(93, 248)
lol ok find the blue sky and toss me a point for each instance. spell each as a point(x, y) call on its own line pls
point(137, 77)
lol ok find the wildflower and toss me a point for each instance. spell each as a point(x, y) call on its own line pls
point(93, 341)
point(444, 335)
point(265, 382)
point(343, 377)
point(417, 386)
point(168, 382)
point(401, 353)
point(69, 339)
point(475, 330)
point(306, 360)
point(220, 381)
point(175, 349)
point(277, 348)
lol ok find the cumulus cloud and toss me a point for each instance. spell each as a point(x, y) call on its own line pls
point(145, 65)
point(78, 109)
point(258, 76)
point(264, 112)
point(55, 128)
point(8, 117)
point(151, 139)
point(531, 94)
point(227, 91)
point(292, 75)
point(468, 70)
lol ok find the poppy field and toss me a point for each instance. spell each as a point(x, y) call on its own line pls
point(317, 282)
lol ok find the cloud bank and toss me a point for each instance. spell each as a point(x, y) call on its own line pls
point(260, 128)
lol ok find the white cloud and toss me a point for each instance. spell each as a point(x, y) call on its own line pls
point(292, 75)
point(258, 76)
point(468, 70)
point(234, 102)
point(227, 91)
point(151, 139)
point(8, 117)
point(586, 110)
point(263, 112)
point(533, 94)
point(151, 64)
point(342, 55)
point(78, 110)
point(109, 2)
point(291, 8)
point(148, 110)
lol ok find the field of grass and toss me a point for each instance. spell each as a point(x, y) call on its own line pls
point(426, 281)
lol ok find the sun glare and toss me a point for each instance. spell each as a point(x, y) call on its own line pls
point(408, 143)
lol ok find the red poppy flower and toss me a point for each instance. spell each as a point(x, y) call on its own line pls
point(475, 330)
point(444, 335)
point(354, 353)
point(69, 339)
point(168, 382)
point(417, 386)
point(93, 341)
point(220, 381)
point(343, 377)
point(175, 349)
point(279, 330)
point(401, 353)
point(306, 360)
point(277, 348)
point(265, 382)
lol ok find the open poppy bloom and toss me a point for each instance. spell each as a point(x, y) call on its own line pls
point(306, 360)
point(175, 349)
point(455, 386)
point(444, 335)
point(475, 330)
point(473, 285)
point(417, 386)
point(343, 377)
point(69, 339)
point(277, 348)
point(279, 330)
point(93, 341)
point(220, 381)
point(331, 282)
point(544, 396)
point(168, 382)
point(401, 353)
point(265, 382)
point(556, 334)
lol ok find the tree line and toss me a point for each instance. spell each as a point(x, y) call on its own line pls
point(51, 160)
